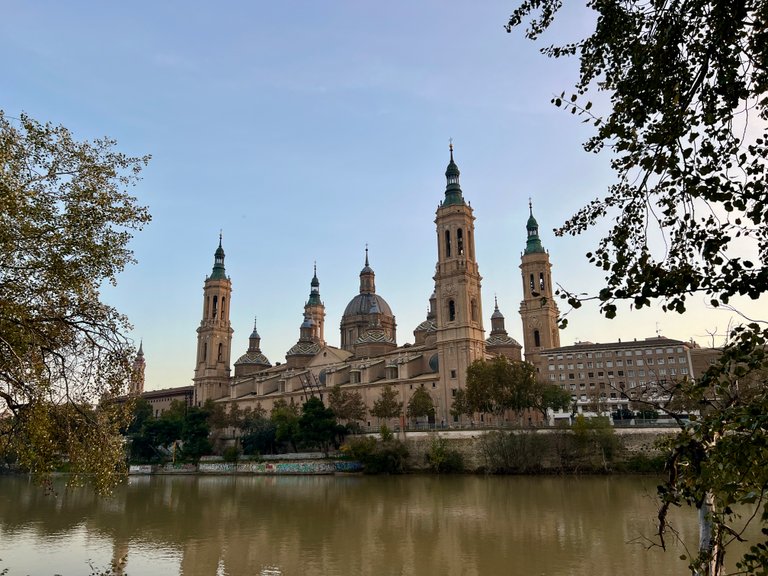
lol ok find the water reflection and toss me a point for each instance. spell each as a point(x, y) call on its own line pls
point(340, 525)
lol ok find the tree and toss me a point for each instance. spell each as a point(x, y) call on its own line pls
point(545, 397)
point(686, 127)
point(497, 385)
point(347, 405)
point(285, 417)
point(65, 224)
point(420, 404)
point(317, 424)
point(388, 405)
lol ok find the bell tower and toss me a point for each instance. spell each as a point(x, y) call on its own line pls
point(538, 309)
point(214, 336)
point(316, 309)
point(460, 335)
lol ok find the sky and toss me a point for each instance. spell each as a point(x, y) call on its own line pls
point(303, 131)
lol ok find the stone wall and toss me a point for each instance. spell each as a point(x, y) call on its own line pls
point(468, 444)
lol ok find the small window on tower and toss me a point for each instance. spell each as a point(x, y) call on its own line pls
point(536, 338)
point(541, 281)
point(532, 284)
point(223, 306)
point(474, 310)
point(215, 306)
point(447, 243)
point(459, 242)
point(221, 351)
point(451, 311)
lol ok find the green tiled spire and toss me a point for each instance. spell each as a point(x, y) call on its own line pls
point(314, 294)
point(218, 264)
point(452, 187)
point(533, 245)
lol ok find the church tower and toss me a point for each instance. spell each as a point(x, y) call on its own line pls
point(137, 372)
point(214, 336)
point(460, 336)
point(316, 309)
point(538, 310)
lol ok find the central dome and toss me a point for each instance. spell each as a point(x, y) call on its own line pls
point(362, 303)
point(365, 311)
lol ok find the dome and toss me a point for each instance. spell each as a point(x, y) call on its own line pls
point(426, 326)
point(253, 358)
point(362, 303)
point(502, 340)
point(497, 315)
point(375, 336)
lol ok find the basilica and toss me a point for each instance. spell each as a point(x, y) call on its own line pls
point(450, 338)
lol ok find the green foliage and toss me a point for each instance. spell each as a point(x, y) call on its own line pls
point(285, 417)
point(442, 459)
point(595, 437)
point(347, 405)
point(261, 438)
point(378, 457)
point(421, 404)
point(388, 405)
point(317, 424)
point(545, 396)
point(231, 454)
point(513, 453)
point(65, 224)
point(688, 139)
point(497, 385)
point(195, 431)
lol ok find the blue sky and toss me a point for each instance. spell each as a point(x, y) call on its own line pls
point(305, 130)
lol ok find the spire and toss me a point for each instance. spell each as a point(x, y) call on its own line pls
point(218, 263)
point(140, 353)
point(533, 245)
point(254, 340)
point(314, 293)
point(367, 277)
point(452, 188)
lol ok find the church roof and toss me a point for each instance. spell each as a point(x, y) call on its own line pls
point(375, 336)
point(304, 349)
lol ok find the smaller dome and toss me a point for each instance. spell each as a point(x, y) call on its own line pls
point(253, 358)
point(497, 314)
point(304, 349)
point(426, 326)
point(502, 340)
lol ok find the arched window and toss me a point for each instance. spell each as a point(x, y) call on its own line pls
point(451, 311)
point(205, 352)
point(223, 307)
point(541, 282)
point(473, 310)
point(459, 242)
point(536, 338)
point(532, 284)
point(215, 306)
point(447, 243)
point(221, 349)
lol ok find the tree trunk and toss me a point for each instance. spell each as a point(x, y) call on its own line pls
point(710, 541)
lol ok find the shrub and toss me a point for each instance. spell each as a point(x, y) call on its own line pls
point(442, 459)
point(378, 457)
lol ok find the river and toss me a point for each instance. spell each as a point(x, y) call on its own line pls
point(340, 526)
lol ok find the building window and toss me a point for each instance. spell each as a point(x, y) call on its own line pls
point(451, 310)
point(536, 338)
point(473, 310)
point(221, 348)
point(459, 242)
point(541, 282)
point(453, 392)
point(453, 373)
point(447, 243)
